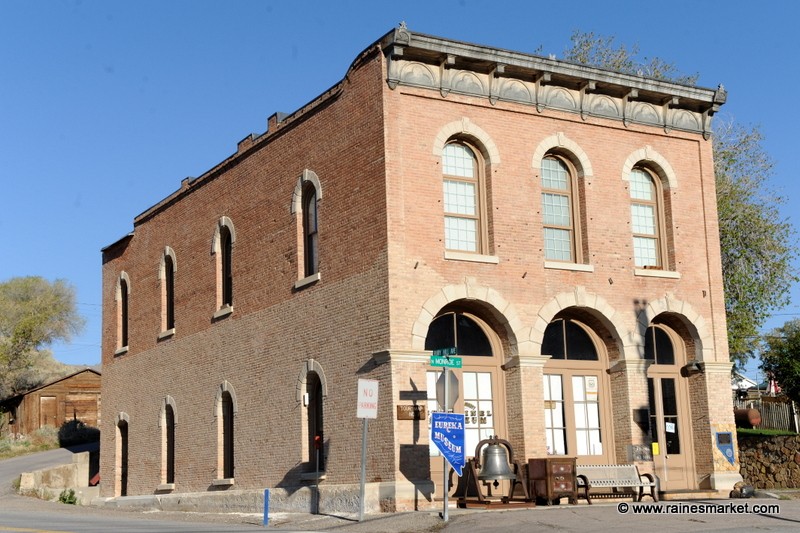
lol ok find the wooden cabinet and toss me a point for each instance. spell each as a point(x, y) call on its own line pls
point(553, 478)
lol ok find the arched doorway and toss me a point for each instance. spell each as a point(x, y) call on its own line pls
point(481, 383)
point(122, 457)
point(668, 395)
point(577, 395)
point(316, 436)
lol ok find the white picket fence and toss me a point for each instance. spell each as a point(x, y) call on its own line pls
point(774, 415)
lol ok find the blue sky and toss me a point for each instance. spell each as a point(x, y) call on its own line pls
point(106, 105)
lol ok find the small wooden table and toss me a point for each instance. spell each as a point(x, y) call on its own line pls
point(553, 478)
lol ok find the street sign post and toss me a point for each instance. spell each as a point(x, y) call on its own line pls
point(366, 408)
point(447, 433)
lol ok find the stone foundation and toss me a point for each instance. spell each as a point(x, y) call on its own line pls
point(770, 462)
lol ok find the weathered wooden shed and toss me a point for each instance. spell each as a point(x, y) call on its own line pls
point(76, 396)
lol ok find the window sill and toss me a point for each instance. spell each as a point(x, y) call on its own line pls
point(655, 273)
point(313, 476)
point(578, 267)
point(166, 487)
point(475, 258)
point(223, 482)
point(121, 351)
point(223, 311)
point(308, 280)
point(166, 334)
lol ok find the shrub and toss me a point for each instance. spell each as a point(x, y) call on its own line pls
point(76, 432)
point(68, 496)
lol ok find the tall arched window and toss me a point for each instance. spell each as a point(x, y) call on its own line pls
point(226, 247)
point(123, 295)
point(167, 276)
point(646, 219)
point(222, 249)
point(559, 200)
point(464, 199)
point(310, 236)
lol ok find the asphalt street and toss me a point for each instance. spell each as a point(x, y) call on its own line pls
point(775, 512)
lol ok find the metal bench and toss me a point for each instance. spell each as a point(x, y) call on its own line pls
point(623, 480)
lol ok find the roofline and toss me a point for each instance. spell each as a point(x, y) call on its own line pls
point(90, 369)
point(400, 41)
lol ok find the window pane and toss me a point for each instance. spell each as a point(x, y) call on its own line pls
point(470, 338)
point(559, 443)
point(644, 251)
point(470, 385)
point(557, 244)
point(665, 353)
point(643, 219)
point(459, 197)
point(553, 341)
point(579, 344)
point(642, 186)
point(554, 174)
point(461, 234)
point(577, 389)
point(458, 160)
point(441, 333)
point(484, 386)
point(555, 209)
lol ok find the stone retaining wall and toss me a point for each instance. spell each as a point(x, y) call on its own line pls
point(770, 462)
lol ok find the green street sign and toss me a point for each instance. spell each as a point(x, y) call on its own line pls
point(445, 361)
point(446, 351)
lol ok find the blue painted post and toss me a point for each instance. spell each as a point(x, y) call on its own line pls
point(266, 507)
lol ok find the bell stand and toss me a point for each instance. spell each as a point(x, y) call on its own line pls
point(471, 478)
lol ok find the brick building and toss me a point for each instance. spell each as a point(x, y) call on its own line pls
point(554, 222)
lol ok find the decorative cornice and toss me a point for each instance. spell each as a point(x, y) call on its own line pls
point(447, 66)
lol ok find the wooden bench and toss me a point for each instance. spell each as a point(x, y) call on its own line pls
point(623, 480)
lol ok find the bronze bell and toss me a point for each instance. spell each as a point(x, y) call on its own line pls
point(495, 465)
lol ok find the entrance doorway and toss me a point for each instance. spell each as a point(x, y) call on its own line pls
point(668, 396)
point(481, 386)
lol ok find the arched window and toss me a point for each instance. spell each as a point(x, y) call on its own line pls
point(123, 295)
point(167, 277)
point(559, 202)
point(566, 339)
point(464, 199)
point(222, 248)
point(646, 219)
point(460, 331)
point(310, 236)
point(226, 246)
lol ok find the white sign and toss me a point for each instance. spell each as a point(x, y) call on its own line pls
point(367, 399)
point(670, 427)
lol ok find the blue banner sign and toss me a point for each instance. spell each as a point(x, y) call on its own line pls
point(447, 432)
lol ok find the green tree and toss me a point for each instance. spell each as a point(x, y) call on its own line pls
point(600, 51)
point(781, 358)
point(757, 243)
point(34, 314)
